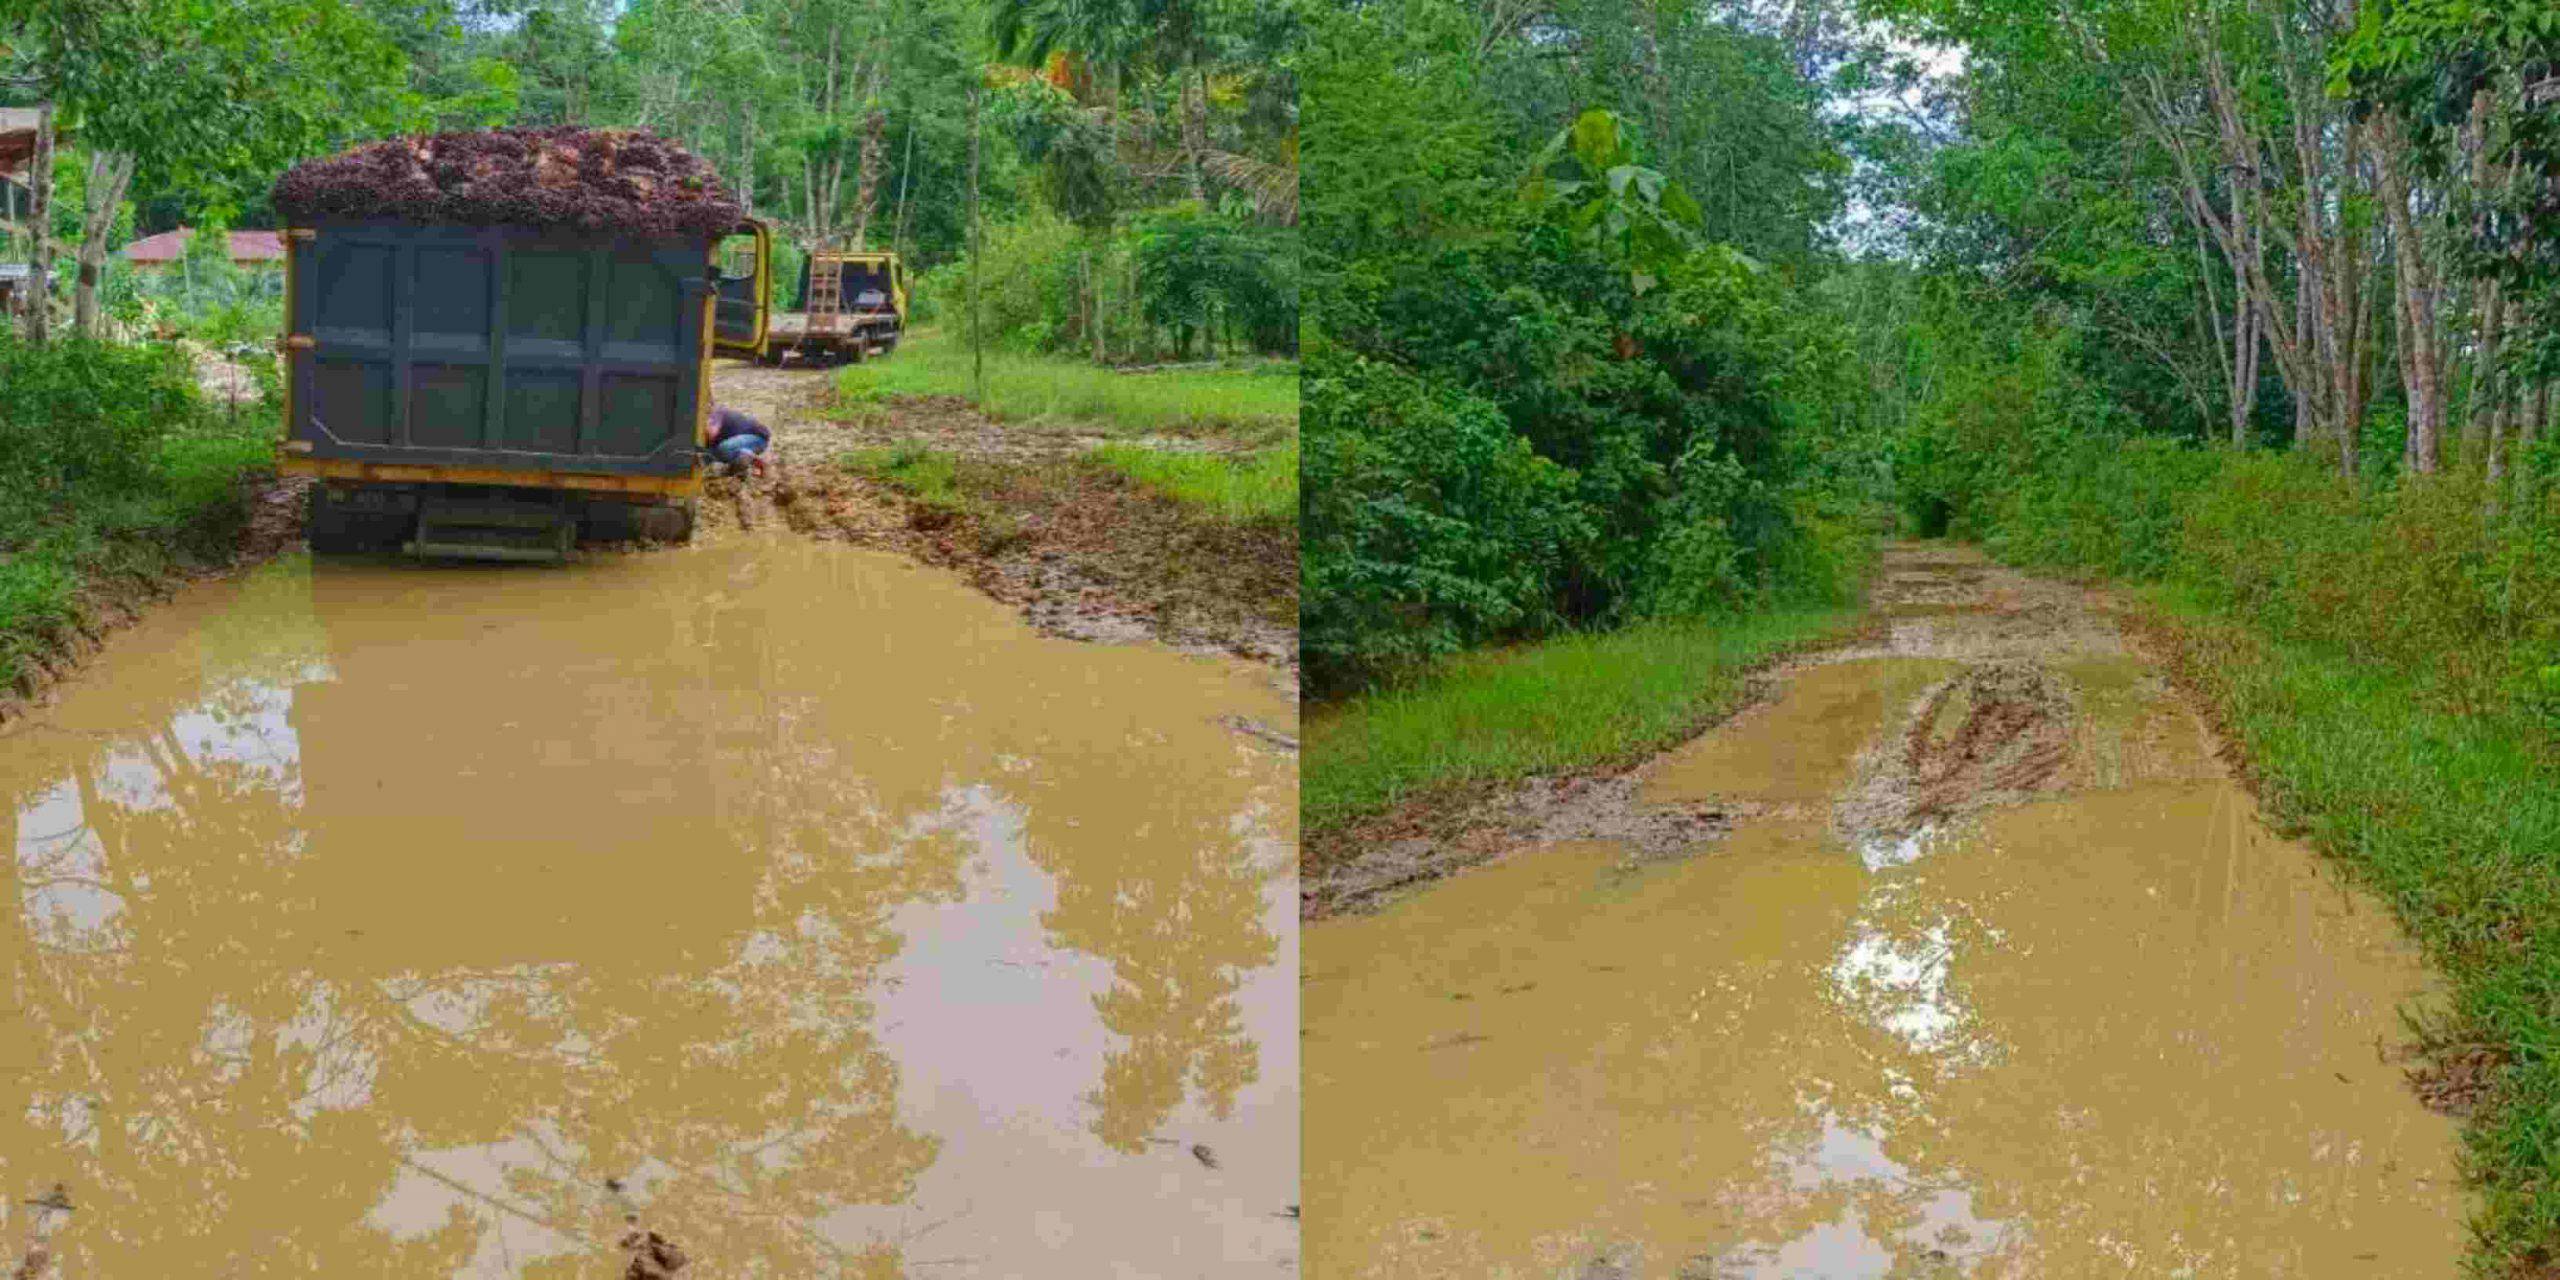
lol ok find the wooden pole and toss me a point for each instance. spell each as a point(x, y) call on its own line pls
point(977, 261)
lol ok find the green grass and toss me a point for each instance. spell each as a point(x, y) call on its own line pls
point(2454, 819)
point(1256, 402)
point(1560, 704)
point(1261, 487)
point(929, 476)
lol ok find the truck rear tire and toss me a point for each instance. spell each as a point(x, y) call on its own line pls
point(336, 528)
point(672, 522)
point(609, 522)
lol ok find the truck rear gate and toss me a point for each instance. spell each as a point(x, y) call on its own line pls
point(495, 387)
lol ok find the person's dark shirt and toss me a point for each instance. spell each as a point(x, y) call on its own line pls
point(727, 422)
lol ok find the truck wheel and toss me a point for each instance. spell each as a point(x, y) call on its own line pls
point(670, 523)
point(610, 522)
point(336, 529)
point(327, 526)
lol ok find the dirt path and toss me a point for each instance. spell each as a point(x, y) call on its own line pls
point(1081, 553)
point(1957, 952)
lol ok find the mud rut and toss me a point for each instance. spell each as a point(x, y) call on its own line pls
point(1994, 711)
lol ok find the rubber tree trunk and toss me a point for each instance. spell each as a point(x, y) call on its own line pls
point(2421, 362)
point(1195, 129)
point(110, 172)
point(866, 185)
point(40, 216)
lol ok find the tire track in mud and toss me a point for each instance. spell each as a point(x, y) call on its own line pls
point(1987, 712)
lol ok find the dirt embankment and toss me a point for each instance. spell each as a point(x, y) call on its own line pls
point(266, 519)
point(1080, 550)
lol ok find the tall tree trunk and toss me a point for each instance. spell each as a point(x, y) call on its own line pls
point(40, 216)
point(2244, 363)
point(747, 165)
point(2421, 364)
point(1195, 128)
point(2306, 303)
point(2488, 398)
point(866, 186)
point(110, 172)
point(872, 81)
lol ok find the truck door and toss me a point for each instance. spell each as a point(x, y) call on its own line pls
point(743, 265)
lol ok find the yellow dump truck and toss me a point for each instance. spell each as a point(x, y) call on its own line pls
point(466, 380)
point(499, 393)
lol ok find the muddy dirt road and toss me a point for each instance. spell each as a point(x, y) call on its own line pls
point(370, 916)
point(1080, 552)
point(1974, 962)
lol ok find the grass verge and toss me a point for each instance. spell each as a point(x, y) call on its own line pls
point(1257, 401)
point(1259, 487)
point(2452, 818)
point(1566, 703)
point(929, 476)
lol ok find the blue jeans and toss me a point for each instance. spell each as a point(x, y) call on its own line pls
point(737, 449)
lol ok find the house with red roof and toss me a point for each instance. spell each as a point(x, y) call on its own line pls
point(248, 249)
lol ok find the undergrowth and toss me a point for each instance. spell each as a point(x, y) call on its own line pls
point(110, 464)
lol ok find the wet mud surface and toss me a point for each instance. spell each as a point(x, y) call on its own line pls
point(370, 918)
point(1080, 552)
point(1985, 967)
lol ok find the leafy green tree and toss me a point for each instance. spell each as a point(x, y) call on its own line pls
point(200, 97)
point(1624, 211)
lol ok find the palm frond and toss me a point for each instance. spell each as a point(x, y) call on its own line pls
point(1273, 188)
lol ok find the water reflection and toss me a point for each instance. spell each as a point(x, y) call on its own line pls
point(371, 920)
point(1772, 1060)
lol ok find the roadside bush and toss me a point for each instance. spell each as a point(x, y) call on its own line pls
point(1209, 276)
point(1428, 525)
point(81, 418)
point(107, 456)
point(2411, 572)
point(1670, 420)
point(1176, 283)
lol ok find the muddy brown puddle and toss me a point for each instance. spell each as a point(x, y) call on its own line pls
point(370, 917)
point(2091, 1020)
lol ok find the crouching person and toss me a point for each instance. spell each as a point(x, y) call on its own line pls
point(738, 442)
